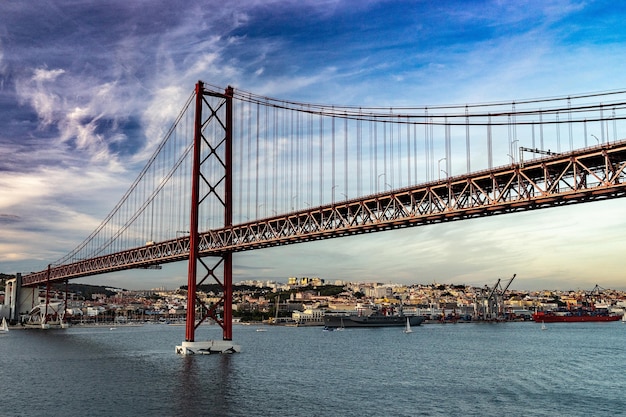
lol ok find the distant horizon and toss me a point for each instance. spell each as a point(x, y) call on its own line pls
point(326, 282)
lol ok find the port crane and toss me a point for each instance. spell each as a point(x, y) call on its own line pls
point(490, 301)
point(593, 297)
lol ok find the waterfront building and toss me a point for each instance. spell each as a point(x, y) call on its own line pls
point(310, 316)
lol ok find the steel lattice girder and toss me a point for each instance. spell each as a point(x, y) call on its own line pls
point(580, 176)
point(563, 179)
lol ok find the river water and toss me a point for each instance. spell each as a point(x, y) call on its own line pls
point(509, 369)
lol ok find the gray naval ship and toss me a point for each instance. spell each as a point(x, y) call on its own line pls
point(375, 318)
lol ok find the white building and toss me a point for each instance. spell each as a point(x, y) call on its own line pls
point(309, 315)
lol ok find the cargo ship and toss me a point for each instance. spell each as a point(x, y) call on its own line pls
point(576, 316)
point(372, 320)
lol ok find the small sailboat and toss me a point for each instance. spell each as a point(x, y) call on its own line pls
point(4, 328)
point(624, 318)
point(407, 329)
point(543, 326)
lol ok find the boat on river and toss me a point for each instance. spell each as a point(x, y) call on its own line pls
point(574, 316)
point(407, 329)
point(371, 315)
point(375, 319)
point(4, 328)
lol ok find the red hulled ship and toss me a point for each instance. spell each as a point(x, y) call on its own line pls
point(575, 316)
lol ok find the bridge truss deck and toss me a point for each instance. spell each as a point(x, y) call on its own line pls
point(590, 174)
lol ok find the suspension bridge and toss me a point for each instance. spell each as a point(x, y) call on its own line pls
point(239, 171)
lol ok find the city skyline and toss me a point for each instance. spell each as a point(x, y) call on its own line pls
point(88, 90)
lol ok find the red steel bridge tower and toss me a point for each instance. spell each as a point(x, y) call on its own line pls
point(212, 145)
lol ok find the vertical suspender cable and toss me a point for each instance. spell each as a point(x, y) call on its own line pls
point(426, 142)
point(392, 181)
point(385, 153)
point(514, 127)
point(431, 147)
point(408, 153)
point(345, 154)
point(275, 138)
point(248, 160)
point(256, 162)
point(509, 137)
point(240, 160)
point(321, 161)
point(601, 123)
point(489, 144)
point(298, 162)
point(467, 141)
point(448, 146)
point(569, 124)
point(397, 150)
point(310, 164)
point(376, 174)
point(359, 158)
point(283, 160)
point(415, 154)
point(541, 130)
point(372, 169)
point(558, 133)
point(292, 166)
point(332, 191)
point(614, 126)
point(266, 170)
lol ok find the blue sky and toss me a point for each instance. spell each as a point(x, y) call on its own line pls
point(87, 89)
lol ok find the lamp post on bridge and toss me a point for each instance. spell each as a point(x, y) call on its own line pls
point(378, 181)
point(513, 148)
point(439, 167)
point(596, 138)
point(512, 159)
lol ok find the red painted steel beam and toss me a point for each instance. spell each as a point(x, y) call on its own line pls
point(228, 217)
point(190, 323)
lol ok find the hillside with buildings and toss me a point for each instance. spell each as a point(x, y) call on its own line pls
point(304, 301)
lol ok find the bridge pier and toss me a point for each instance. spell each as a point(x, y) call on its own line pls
point(208, 347)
